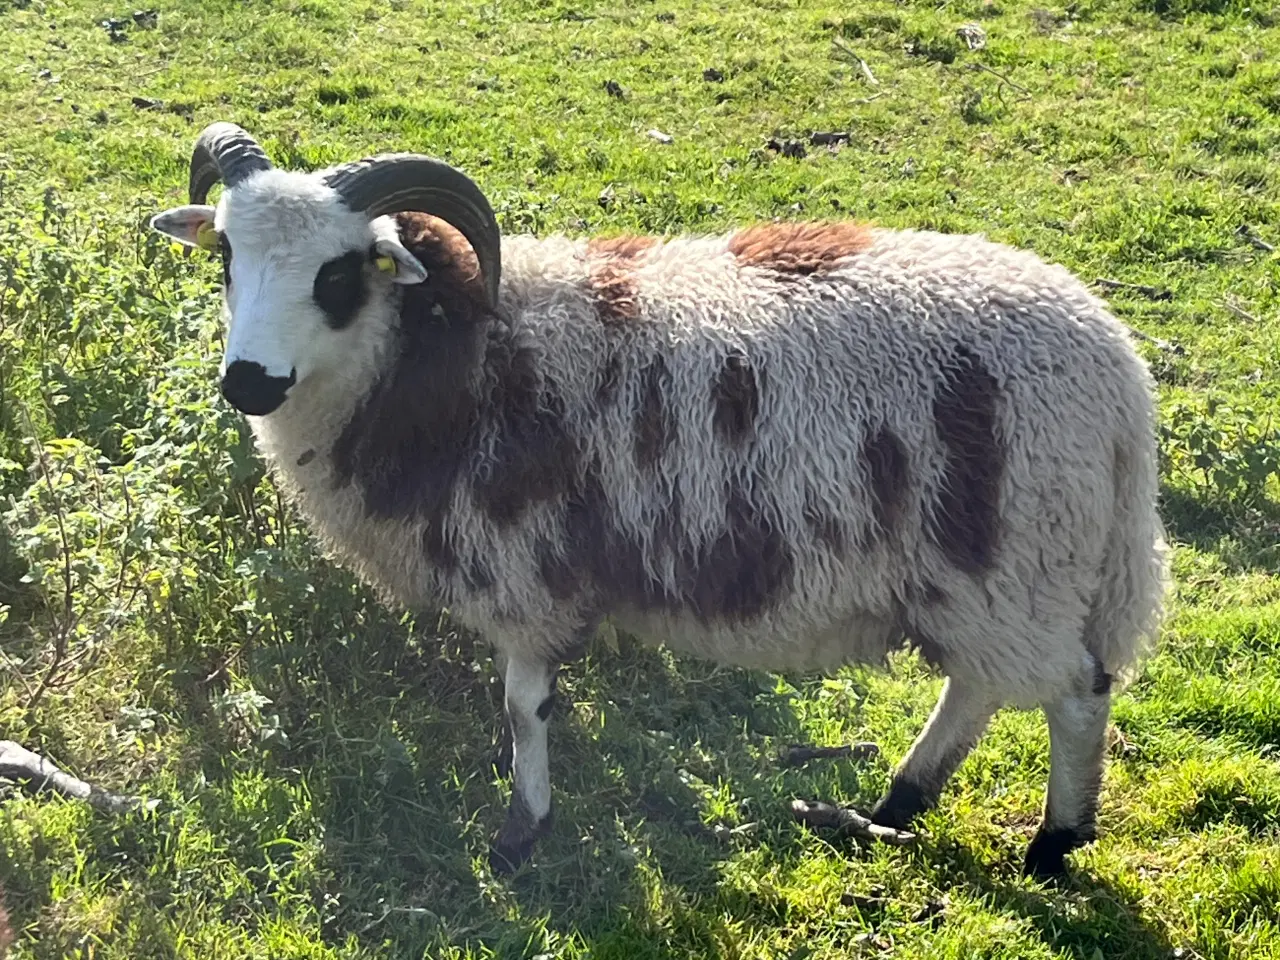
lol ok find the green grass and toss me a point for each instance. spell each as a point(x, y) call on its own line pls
point(322, 763)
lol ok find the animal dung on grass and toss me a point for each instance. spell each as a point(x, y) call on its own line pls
point(789, 446)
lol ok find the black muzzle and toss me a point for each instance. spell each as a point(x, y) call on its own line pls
point(250, 389)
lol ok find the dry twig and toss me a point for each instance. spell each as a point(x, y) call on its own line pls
point(1027, 94)
point(1151, 293)
point(1237, 311)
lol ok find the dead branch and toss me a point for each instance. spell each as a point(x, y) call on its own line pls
point(1238, 311)
point(847, 822)
point(1245, 232)
point(20, 764)
point(64, 624)
point(1151, 293)
point(1164, 346)
point(798, 754)
point(848, 55)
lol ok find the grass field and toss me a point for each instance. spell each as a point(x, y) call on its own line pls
point(322, 764)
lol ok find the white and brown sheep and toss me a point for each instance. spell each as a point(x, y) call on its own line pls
point(790, 447)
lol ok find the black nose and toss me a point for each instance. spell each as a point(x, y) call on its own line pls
point(250, 389)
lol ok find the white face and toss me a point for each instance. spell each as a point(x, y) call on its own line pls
point(306, 278)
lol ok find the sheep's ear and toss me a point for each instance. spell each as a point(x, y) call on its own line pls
point(401, 265)
point(191, 225)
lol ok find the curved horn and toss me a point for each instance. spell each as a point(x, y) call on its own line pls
point(396, 182)
point(223, 151)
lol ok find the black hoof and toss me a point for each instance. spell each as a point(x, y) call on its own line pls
point(512, 846)
point(507, 858)
point(900, 806)
point(1046, 856)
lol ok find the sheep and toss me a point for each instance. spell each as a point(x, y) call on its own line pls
point(792, 446)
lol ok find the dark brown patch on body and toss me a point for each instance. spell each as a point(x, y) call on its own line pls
point(744, 571)
point(607, 387)
point(534, 456)
point(557, 573)
point(412, 435)
point(929, 649)
point(611, 276)
point(736, 577)
point(799, 248)
point(886, 461)
point(824, 527)
point(964, 520)
point(736, 398)
point(654, 423)
point(1101, 680)
point(455, 378)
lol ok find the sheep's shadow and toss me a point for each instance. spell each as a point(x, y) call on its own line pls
point(395, 732)
point(689, 856)
point(1242, 544)
point(1101, 916)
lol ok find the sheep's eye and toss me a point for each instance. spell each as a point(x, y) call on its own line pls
point(224, 246)
point(339, 288)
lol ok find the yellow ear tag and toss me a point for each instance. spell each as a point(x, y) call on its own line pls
point(206, 236)
point(386, 265)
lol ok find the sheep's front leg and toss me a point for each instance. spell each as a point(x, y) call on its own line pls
point(529, 695)
point(958, 720)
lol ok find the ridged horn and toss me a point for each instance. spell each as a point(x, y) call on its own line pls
point(398, 182)
point(226, 152)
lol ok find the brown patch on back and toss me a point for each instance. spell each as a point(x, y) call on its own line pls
point(627, 246)
point(654, 423)
point(964, 520)
point(736, 398)
point(887, 469)
point(611, 276)
point(799, 248)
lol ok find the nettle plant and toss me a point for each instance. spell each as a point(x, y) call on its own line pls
point(132, 509)
point(1229, 455)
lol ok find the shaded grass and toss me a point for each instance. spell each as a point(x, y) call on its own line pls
point(323, 762)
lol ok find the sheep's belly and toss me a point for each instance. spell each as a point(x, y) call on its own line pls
point(767, 644)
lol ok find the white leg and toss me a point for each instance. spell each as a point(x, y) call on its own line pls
point(530, 696)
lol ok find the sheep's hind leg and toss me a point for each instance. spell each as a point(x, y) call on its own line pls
point(529, 691)
point(1077, 745)
point(959, 719)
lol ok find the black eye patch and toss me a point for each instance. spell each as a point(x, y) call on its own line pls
point(340, 288)
point(224, 246)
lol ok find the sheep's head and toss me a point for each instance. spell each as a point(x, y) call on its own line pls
point(310, 259)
